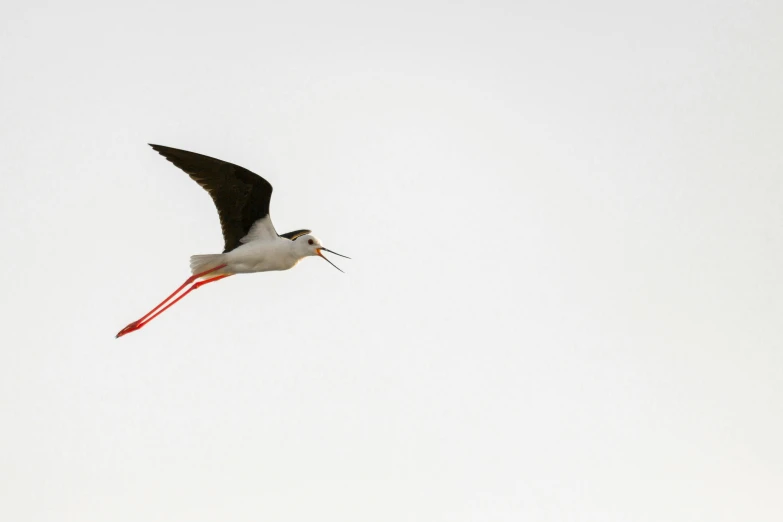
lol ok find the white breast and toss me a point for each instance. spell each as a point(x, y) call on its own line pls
point(261, 255)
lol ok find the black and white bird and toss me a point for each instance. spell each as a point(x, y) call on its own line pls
point(251, 242)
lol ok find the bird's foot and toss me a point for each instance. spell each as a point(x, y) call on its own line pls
point(128, 329)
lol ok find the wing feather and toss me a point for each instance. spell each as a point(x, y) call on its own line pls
point(241, 197)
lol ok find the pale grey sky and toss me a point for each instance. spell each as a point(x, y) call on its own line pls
point(565, 299)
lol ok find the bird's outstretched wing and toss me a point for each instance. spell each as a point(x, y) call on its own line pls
point(295, 234)
point(241, 197)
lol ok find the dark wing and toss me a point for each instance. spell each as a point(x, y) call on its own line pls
point(295, 234)
point(241, 197)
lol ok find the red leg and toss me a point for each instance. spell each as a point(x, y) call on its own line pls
point(135, 325)
point(186, 292)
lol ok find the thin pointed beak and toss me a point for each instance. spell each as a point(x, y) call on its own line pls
point(335, 253)
point(320, 254)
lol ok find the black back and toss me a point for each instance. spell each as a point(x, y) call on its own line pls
point(295, 234)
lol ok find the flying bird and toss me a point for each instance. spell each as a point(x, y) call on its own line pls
point(251, 242)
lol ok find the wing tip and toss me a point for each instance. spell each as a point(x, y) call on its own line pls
point(166, 152)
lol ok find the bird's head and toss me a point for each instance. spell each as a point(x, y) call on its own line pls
point(310, 245)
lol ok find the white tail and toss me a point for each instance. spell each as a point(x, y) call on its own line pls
point(202, 263)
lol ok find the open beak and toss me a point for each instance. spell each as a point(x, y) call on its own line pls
point(331, 252)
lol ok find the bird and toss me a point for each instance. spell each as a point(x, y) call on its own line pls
point(251, 243)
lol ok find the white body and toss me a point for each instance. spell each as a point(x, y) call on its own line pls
point(264, 256)
point(262, 250)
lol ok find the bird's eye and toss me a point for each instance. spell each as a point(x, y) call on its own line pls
point(309, 241)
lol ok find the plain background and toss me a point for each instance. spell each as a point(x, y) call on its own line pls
point(565, 299)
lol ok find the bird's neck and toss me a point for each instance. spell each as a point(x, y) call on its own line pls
point(297, 250)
